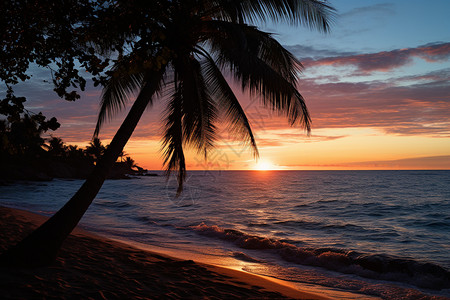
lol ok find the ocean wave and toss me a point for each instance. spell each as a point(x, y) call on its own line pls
point(258, 224)
point(118, 204)
point(312, 225)
point(244, 257)
point(375, 266)
point(145, 220)
point(329, 201)
point(439, 225)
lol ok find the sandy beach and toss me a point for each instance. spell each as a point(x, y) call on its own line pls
point(93, 267)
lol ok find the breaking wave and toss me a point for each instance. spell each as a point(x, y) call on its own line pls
point(375, 266)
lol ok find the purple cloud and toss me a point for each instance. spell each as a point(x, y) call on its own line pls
point(386, 60)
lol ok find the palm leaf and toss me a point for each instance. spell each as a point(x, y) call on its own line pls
point(122, 82)
point(315, 14)
point(199, 111)
point(262, 66)
point(172, 143)
point(190, 117)
point(227, 100)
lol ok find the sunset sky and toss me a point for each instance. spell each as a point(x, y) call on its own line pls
point(377, 88)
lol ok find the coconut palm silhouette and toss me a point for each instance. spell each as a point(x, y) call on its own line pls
point(182, 56)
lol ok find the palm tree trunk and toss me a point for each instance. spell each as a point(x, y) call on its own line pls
point(40, 248)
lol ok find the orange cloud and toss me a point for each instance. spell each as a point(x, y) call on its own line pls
point(416, 163)
point(386, 60)
point(419, 108)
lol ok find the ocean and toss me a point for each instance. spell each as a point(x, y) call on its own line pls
point(367, 234)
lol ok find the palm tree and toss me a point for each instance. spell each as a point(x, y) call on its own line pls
point(182, 59)
point(95, 149)
point(122, 154)
point(75, 153)
point(130, 163)
point(56, 147)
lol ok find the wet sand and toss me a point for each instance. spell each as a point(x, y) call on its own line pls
point(93, 267)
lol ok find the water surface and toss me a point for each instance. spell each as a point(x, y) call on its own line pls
point(350, 230)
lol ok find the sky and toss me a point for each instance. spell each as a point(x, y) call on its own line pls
point(377, 88)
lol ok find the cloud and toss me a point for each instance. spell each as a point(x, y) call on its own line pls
point(386, 60)
point(408, 105)
point(282, 139)
point(431, 162)
point(414, 163)
point(383, 8)
point(418, 108)
point(436, 76)
point(309, 52)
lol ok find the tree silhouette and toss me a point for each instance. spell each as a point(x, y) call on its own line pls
point(75, 153)
point(130, 162)
point(21, 130)
point(22, 137)
point(56, 147)
point(182, 53)
point(95, 149)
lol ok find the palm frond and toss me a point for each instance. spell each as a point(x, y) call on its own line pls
point(262, 66)
point(121, 84)
point(222, 92)
point(316, 14)
point(190, 117)
point(172, 143)
point(256, 43)
point(199, 111)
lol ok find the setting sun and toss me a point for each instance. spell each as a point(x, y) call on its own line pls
point(264, 165)
point(227, 149)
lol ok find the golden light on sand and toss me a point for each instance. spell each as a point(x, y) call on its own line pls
point(264, 165)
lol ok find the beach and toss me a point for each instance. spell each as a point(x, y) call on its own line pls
point(93, 267)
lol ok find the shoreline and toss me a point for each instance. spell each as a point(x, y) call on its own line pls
point(244, 233)
point(93, 266)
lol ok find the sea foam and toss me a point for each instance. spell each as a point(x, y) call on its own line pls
point(376, 266)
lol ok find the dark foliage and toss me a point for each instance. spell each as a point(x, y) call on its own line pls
point(179, 50)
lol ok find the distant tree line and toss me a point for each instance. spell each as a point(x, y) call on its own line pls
point(26, 154)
